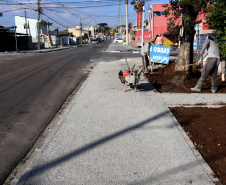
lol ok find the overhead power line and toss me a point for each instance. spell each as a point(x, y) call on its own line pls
point(73, 8)
point(54, 20)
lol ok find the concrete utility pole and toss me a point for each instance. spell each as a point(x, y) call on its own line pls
point(88, 29)
point(127, 26)
point(47, 27)
point(142, 38)
point(94, 36)
point(25, 22)
point(152, 22)
point(16, 39)
point(120, 26)
point(81, 28)
point(29, 28)
point(38, 25)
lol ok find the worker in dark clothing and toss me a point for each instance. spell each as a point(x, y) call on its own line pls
point(145, 54)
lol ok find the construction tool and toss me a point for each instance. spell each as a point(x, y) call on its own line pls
point(152, 66)
point(201, 62)
point(189, 65)
point(131, 78)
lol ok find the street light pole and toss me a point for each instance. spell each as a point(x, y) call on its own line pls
point(127, 30)
point(25, 22)
point(81, 28)
point(16, 39)
point(38, 25)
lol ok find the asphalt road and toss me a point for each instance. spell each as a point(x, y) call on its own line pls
point(33, 87)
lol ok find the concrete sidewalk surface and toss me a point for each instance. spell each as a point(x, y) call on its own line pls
point(107, 136)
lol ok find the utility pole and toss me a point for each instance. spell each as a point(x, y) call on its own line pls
point(88, 29)
point(81, 29)
point(16, 39)
point(38, 25)
point(127, 29)
point(47, 27)
point(120, 21)
point(152, 22)
point(93, 31)
point(29, 28)
point(25, 22)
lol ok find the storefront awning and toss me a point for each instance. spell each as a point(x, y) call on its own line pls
point(169, 33)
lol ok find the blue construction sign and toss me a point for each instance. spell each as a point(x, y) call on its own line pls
point(160, 54)
point(195, 46)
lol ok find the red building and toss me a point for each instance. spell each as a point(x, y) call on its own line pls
point(157, 23)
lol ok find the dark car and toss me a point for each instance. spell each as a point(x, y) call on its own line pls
point(99, 40)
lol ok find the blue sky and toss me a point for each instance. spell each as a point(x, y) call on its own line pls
point(67, 13)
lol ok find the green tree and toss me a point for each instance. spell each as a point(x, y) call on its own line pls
point(102, 27)
point(216, 17)
point(188, 10)
point(138, 5)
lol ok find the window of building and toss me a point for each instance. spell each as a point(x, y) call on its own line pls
point(158, 13)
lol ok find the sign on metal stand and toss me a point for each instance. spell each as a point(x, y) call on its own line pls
point(160, 54)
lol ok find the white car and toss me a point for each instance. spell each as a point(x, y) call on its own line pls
point(118, 40)
point(95, 41)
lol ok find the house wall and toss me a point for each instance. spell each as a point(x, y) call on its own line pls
point(20, 21)
point(77, 31)
point(8, 42)
point(146, 36)
point(55, 40)
point(160, 24)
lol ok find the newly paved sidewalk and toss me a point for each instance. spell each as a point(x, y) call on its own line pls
point(122, 48)
point(107, 136)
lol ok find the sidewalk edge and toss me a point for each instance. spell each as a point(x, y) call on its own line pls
point(45, 138)
point(197, 154)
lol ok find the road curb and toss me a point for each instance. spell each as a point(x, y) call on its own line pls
point(197, 154)
point(45, 138)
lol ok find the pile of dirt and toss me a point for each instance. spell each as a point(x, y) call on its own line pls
point(167, 80)
point(205, 126)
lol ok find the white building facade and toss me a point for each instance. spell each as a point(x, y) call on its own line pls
point(29, 26)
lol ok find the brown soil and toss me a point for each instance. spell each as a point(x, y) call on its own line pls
point(166, 80)
point(206, 127)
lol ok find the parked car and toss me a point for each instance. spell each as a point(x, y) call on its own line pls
point(119, 40)
point(99, 39)
point(95, 41)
